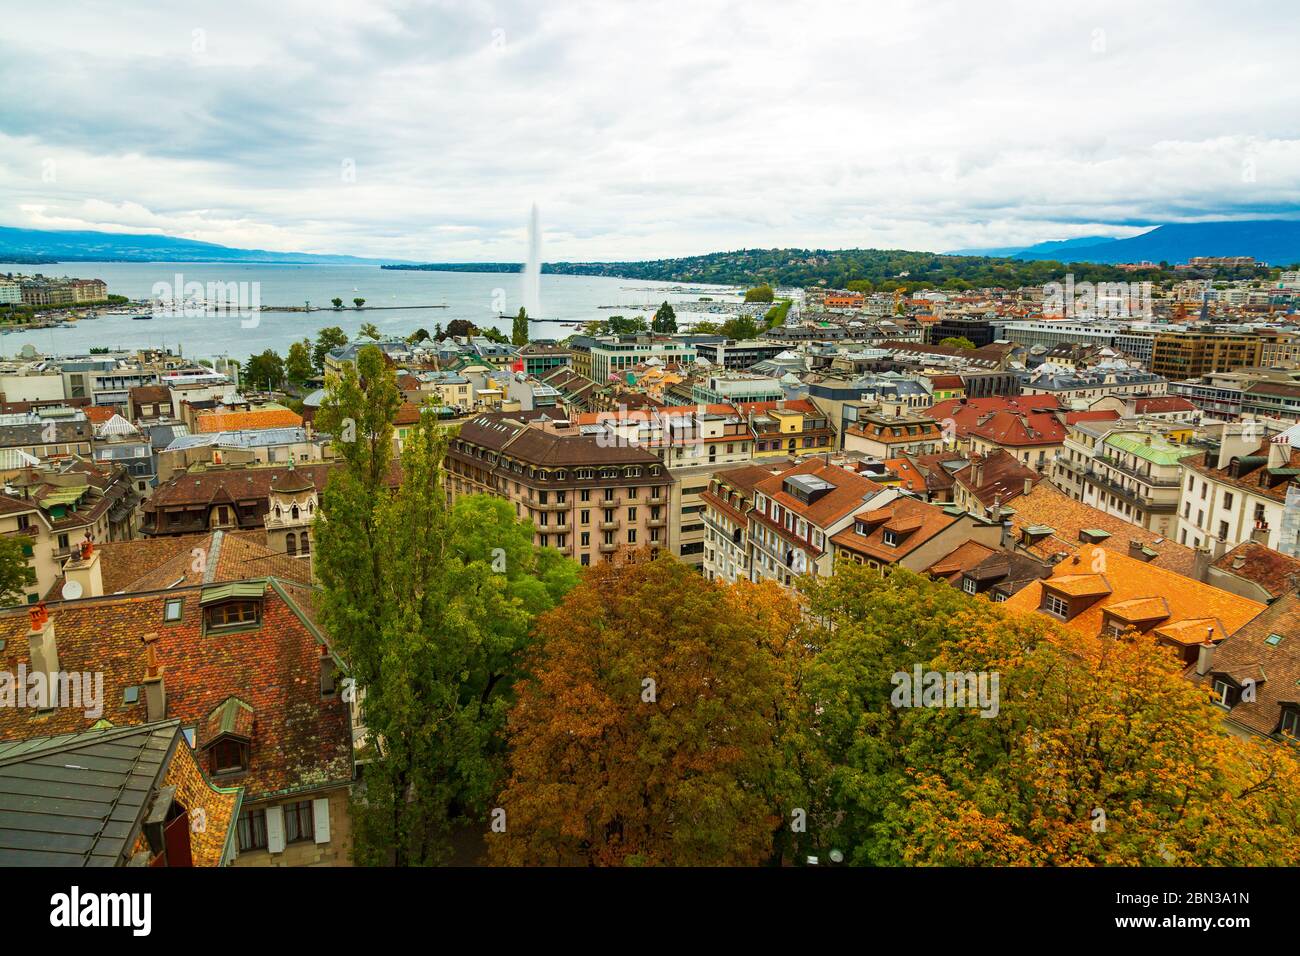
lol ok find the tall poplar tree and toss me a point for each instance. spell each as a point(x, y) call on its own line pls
point(431, 608)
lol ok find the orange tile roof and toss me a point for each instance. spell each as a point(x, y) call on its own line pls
point(914, 521)
point(1048, 506)
point(98, 414)
point(238, 421)
point(1127, 580)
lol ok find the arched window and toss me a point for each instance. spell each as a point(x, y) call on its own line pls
point(293, 513)
point(277, 511)
point(306, 543)
point(291, 543)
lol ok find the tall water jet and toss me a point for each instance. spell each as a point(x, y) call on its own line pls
point(532, 291)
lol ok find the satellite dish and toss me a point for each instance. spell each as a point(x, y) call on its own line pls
point(71, 590)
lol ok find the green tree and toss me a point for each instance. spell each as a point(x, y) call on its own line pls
point(496, 335)
point(15, 574)
point(298, 367)
point(461, 328)
point(519, 331)
point(665, 320)
point(760, 293)
point(957, 342)
point(265, 370)
point(1076, 723)
point(327, 340)
point(338, 303)
point(370, 331)
point(741, 328)
point(358, 302)
point(431, 608)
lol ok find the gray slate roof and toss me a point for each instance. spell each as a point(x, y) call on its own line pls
point(80, 799)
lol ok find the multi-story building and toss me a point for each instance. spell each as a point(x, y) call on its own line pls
point(1031, 428)
point(788, 429)
point(736, 387)
point(1249, 490)
point(892, 436)
point(728, 500)
point(615, 355)
point(907, 533)
point(540, 359)
point(586, 496)
point(1093, 383)
point(798, 511)
point(1132, 473)
point(1190, 353)
point(737, 356)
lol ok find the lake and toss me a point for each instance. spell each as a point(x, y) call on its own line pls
point(475, 296)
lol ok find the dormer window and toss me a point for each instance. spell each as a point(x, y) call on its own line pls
point(1226, 693)
point(1290, 724)
point(232, 606)
point(890, 538)
point(232, 614)
point(1055, 605)
point(227, 736)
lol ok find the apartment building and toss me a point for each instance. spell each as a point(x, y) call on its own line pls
point(1031, 428)
point(1132, 473)
point(788, 428)
point(1248, 491)
point(1092, 383)
point(797, 512)
point(893, 436)
point(587, 496)
point(907, 533)
point(728, 500)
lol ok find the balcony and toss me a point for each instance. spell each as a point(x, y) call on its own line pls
point(656, 523)
point(550, 505)
point(610, 525)
point(608, 548)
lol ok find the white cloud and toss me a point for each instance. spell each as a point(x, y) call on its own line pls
point(645, 129)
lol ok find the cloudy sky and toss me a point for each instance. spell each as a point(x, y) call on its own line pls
point(424, 130)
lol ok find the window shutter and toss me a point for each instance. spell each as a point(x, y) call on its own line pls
point(320, 811)
point(275, 829)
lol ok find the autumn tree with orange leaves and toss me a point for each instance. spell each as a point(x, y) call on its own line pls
point(1100, 753)
point(659, 725)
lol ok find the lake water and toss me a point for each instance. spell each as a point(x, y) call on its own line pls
point(477, 297)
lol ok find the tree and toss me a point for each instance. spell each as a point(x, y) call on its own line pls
point(519, 332)
point(430, 607)
point(957, 342)
point(298, 367)
point(665, 320)
point(358, 302)
point(338, 303)
point(621, 325)
point(266, 370)
point(650, 730)
point(741, 328)
point(15, 573)
point(418, 336)
point(495, 335)
point(705, 327)
point(461, 328)
point(327, 340)
point(1095, 750)
point(370, 331)
point(760, 293)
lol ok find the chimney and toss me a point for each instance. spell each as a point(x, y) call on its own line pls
point(977, 471)
point(1259, 533)
point(155, 693)
point(1135, 550)
point(41, 643)
point(1205, 657)
point(1201, 561)
point(1029, 485)
point(82, 573)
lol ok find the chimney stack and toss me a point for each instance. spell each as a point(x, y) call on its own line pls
point(83, 577)
point(155, 693)
point(1259, 533)
point(1029, 485)
point(1205, 657)
point(1201, 561)
point(40, 642)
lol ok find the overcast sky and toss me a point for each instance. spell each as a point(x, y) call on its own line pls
point(425, 130)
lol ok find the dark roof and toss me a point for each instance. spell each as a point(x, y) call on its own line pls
point(80, 799)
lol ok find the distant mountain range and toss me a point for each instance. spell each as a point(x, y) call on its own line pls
point(27, 245)
point(1275, 241)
